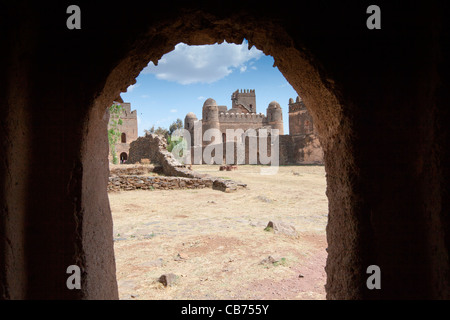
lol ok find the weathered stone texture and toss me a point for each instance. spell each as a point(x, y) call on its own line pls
point(128, 130)
point(154, 147)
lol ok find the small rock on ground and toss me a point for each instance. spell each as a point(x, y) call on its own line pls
point(282, 227)
point(167, 279)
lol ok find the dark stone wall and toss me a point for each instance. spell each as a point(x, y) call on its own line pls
point(300, 149)
point(379, 100)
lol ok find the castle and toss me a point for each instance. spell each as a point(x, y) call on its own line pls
point(242, 115)
point(301, 145)
point(128, 129)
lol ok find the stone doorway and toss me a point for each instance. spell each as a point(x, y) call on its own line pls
point(123, 157)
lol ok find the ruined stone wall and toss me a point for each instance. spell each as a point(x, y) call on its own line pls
point(144, 148)
point(134, 182)
point(154, 148)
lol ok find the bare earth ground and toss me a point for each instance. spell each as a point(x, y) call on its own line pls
point(214, 241)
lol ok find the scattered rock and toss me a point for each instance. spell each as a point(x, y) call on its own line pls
point(167, 279)
point(264, 199)
point(295, 173)
point(275, 261)
point(301, 276)
point(279, 227)
point(269, 260)
point(181, 257)
point(227, 168)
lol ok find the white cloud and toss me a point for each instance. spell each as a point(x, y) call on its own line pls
point(201, 98)
point(173, 110)
point(132, 87)
point(204, 64)
point(145, 96)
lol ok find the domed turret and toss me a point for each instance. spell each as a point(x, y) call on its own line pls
point(210, 116)
point(274, 105)
point(191, 115)
point(189, 121)
point(209, 102)
point(275, 116)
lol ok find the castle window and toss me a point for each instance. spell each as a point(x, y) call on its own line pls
point(124, 137)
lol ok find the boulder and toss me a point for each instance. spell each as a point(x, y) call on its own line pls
point(279, 227)
point(167, 279)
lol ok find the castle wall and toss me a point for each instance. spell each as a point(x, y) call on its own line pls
point(242, 121)
point(300, 149)
point(300, 123)
point(242, 118)
point(293, 150)
point(301, 146)
point(129, 127)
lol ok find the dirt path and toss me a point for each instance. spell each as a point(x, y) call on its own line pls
point(214, 241)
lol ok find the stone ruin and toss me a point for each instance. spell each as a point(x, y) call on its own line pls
point(174, 174)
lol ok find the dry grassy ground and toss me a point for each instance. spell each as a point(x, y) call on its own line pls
point(214, 241)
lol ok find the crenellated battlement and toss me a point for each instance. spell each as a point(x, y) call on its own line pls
point(241, 117)
point(127, 113)
point(245, 98)
point(298, 105)
point(245, 91)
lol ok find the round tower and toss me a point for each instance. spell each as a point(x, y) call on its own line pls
point(189, 123)
point(275, 116)
point(210, 119)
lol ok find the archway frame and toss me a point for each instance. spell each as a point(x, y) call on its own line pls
point(300, 69)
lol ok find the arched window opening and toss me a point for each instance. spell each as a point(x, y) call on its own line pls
point(123, 157)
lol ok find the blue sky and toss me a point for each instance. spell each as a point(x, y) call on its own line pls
point(185, 77)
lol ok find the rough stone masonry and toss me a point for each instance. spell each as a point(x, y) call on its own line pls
point(177, 176)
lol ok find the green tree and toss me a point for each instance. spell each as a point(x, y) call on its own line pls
point(173, 141)
point(158, 131)
point(178, 124)
point(114, 129)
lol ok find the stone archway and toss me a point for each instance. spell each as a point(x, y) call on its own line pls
point(304, 76)
point(123, 157)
